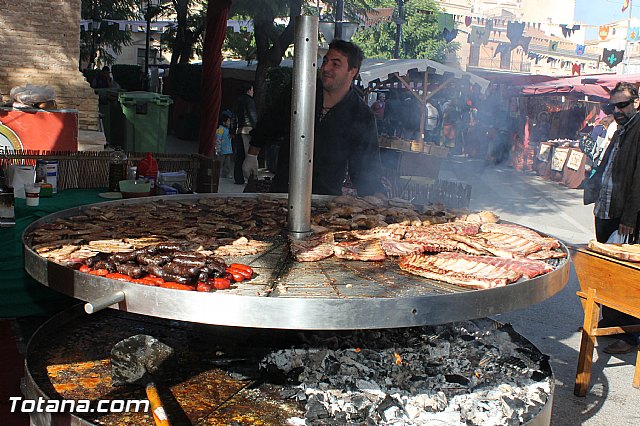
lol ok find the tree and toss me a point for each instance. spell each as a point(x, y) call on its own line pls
point(421, 38)
point(272, 39)
point(104, 37)
point(185, 38)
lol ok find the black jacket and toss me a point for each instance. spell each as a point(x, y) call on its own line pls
point(245, 111)
point(346, 139)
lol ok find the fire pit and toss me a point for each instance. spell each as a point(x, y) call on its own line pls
point(473, 372)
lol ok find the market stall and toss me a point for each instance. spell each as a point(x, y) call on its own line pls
point(561, 161)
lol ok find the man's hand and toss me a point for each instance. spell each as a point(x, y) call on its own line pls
point(250, 166)
point(625, 230)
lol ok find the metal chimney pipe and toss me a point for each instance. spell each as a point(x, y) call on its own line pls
point(302, 125)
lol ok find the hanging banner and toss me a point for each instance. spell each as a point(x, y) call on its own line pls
point(580, 49)
point(559, 158)
point(603, 32)
point(625, 4)
point(575, 69)
point(575, 159)
point(553, 46)
point(612, 57)
point(545, 150)
point(633, 33)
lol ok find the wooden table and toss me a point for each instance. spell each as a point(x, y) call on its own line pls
point(604, 281)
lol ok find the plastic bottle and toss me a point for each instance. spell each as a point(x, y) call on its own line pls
point(117, 169)
point(148, 169)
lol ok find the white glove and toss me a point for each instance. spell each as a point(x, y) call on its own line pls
point(250, 166)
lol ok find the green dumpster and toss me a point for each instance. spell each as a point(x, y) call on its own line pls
point(146, 115)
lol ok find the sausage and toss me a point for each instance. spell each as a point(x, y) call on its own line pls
point(178, 279)
point(123, 257)
point(245, 274)
point(131, 269)
point(154, 270)
point(181, 270)
point(217, 264)
point(188, 261)
point(158, 259)
point(109, 265)
point(177, 286)
point(171, 247)
point(242, 267)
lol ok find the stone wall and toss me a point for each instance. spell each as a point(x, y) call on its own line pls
point(40, 44)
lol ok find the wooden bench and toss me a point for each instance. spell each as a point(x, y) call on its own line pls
point(604, 281)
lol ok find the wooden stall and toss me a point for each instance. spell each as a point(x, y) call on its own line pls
point(604, 281)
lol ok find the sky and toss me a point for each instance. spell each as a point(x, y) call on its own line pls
point(599, 12)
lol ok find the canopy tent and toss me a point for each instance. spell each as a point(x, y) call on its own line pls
point(378, 70)
point(595, 86)
point(372, 70)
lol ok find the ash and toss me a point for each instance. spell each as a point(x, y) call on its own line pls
point(470, 373)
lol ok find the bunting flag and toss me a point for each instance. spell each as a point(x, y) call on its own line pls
point(446, 22)
point(479, 36)
point(612, 57)
point(568, 32)
point(625, 4)
point(467, 20)
point(502, 49)
point(633, 34)
point(524, 42)
point(580, 49)
point(553, 45)
point(603, 32)
point(575, 69)
point(449, 36)
point(514, 32)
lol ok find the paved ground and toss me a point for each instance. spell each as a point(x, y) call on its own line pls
point(551, 325)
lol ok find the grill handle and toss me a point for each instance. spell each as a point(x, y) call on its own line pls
point(103, 302)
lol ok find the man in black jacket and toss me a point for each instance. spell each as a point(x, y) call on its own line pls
point(245, 111)
point(617, 205)
point(346, 139)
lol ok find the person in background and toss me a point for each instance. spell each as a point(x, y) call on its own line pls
point(617, 206)
point(247, 116)
point(103, 79)
point(378, 111)
point(224, 149)
point(345, 132)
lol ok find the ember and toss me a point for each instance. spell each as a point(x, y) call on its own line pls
point(464, 373)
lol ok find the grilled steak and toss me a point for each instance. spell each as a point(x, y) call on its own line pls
point(314, 248)
point(525, 267)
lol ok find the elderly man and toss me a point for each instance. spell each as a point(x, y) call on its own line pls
point(346, 139)
point(617, 206)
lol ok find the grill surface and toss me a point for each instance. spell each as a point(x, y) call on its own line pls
point(329, 294)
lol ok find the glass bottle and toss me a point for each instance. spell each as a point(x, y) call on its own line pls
point(117, 168)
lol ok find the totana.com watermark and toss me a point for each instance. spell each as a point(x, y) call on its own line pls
point(42, 405)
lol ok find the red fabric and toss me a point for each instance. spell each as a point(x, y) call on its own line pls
point(217, 11)
point(597, 86)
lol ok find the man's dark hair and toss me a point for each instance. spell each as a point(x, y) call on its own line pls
point(351, 50)
point(106, 68)
point(624, 86)
point(245, 86)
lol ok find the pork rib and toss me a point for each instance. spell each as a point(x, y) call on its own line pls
point(367, 250)
point(421, 265)
point(521, 231)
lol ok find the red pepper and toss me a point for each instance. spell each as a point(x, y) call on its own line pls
point(146, 281)
point(119, 277)
point(153, 279)
point(221, 283)
point(84, 268)
point(238, 276)
point(242, 267)
point(203, 287)
point(99, 272)
point(243, 272)
point(176, 286)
